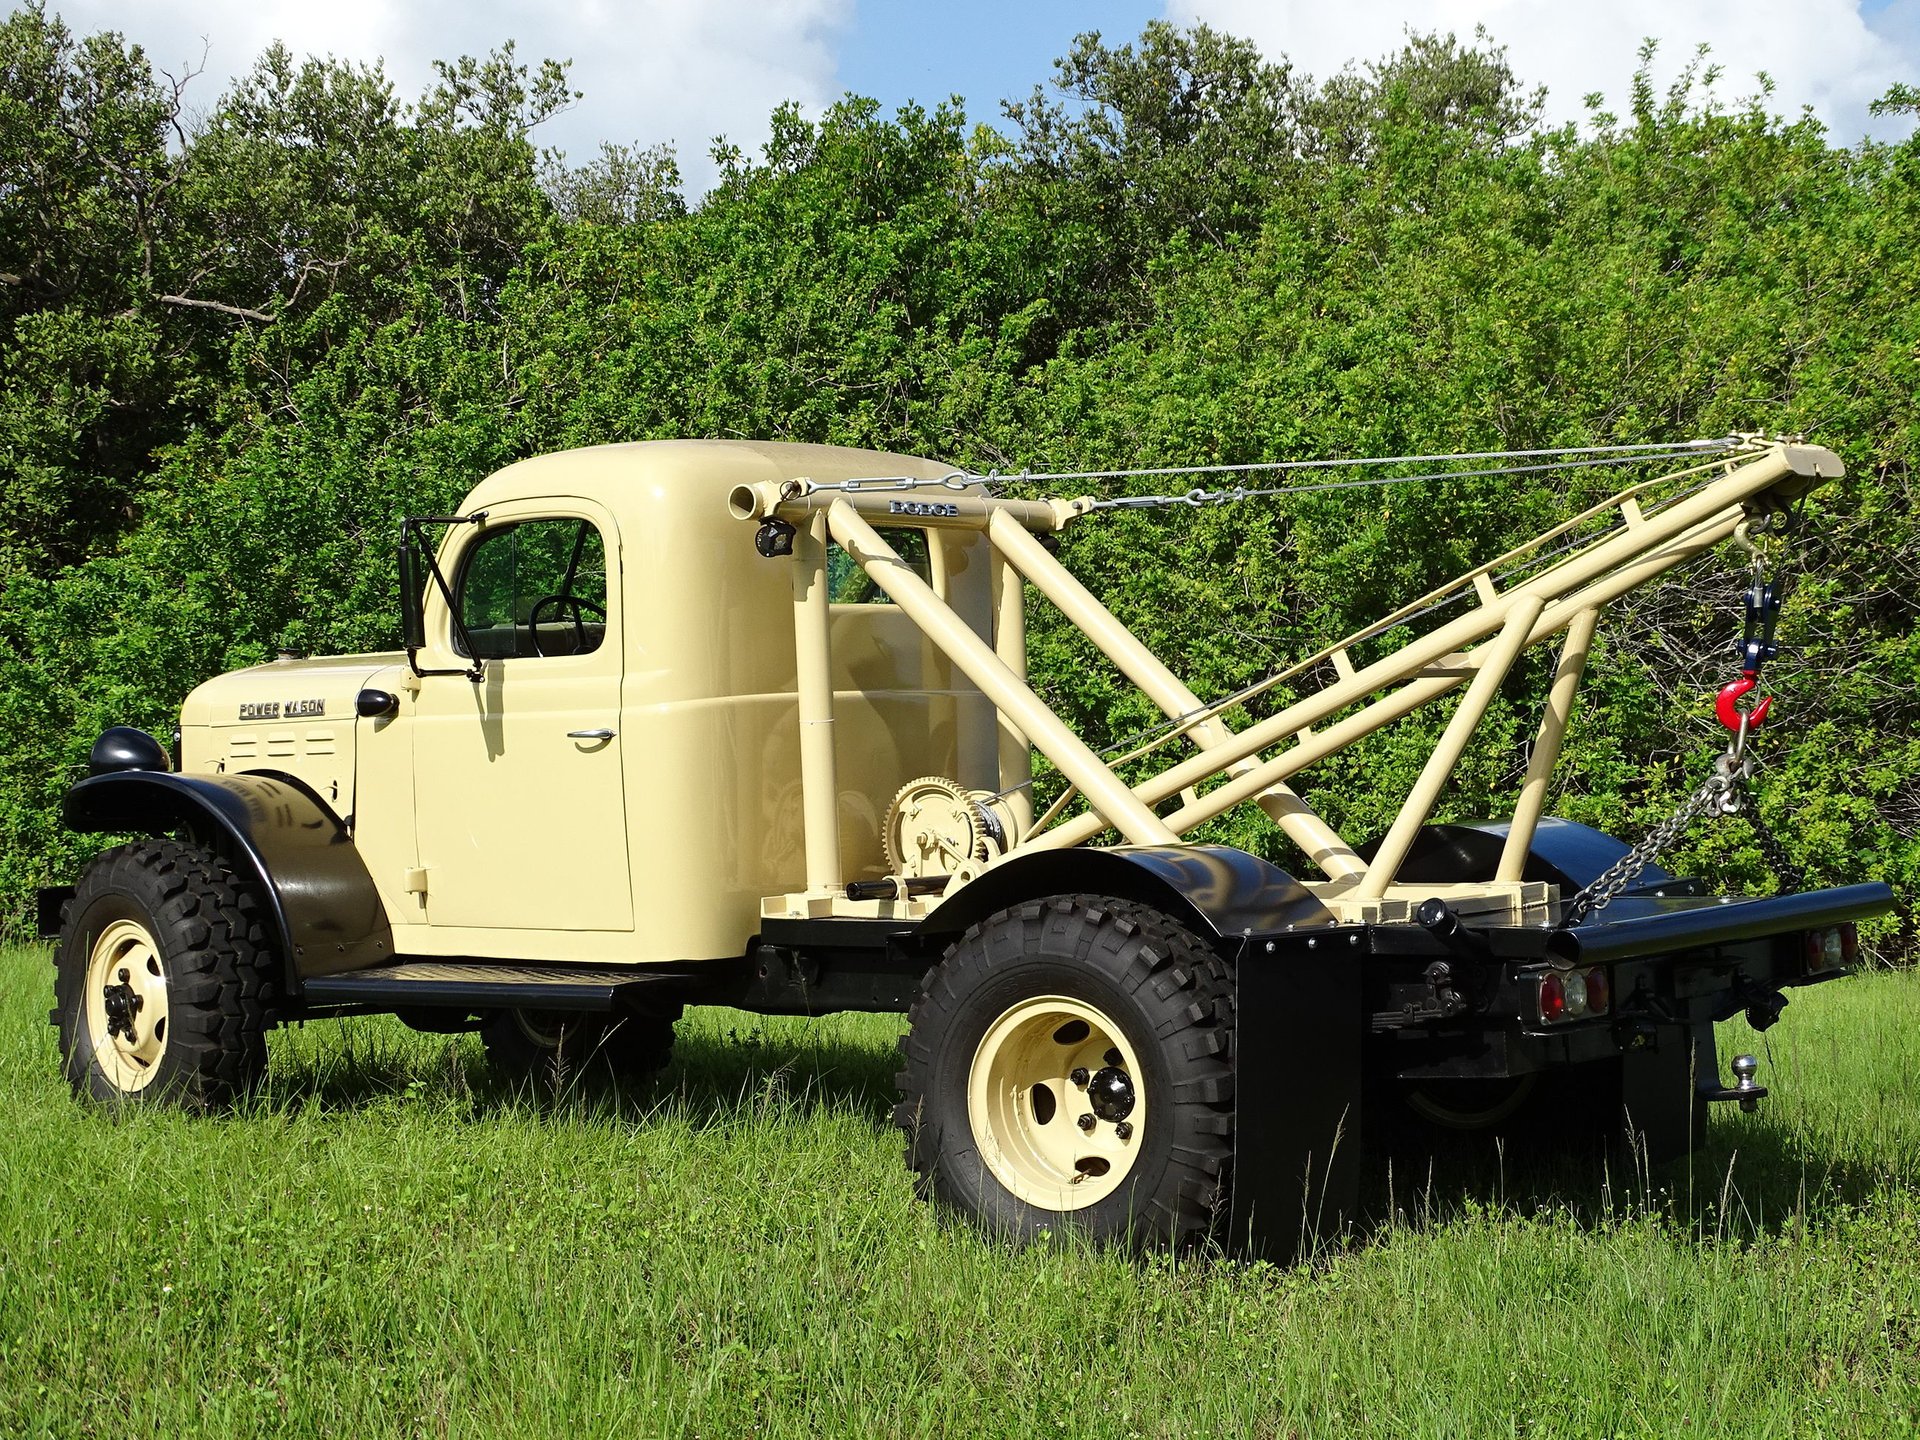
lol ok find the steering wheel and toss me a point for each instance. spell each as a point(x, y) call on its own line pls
point(559, 603)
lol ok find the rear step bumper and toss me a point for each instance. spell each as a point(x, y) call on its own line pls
point(477, 985)
point(1664, 926)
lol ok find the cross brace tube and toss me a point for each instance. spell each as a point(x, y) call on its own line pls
point(1546, 747)
point(1160, 685)
point(1420, 688)
point(1501, 653)
point(1112, 801)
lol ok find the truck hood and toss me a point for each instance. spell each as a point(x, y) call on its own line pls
point(298, 691)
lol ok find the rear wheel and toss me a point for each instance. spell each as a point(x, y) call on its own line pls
point(164, 977)
point(553, 1049)
point(1068, 1063)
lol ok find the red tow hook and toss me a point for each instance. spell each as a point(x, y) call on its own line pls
point(1727, 704)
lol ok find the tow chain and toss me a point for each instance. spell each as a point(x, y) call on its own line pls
point(1721, 792)
point(1725, 791)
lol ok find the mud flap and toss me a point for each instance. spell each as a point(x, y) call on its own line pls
point(1299, 1026)
point(1662, 1114)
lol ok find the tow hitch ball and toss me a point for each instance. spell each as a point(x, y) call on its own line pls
point(1745, 1088)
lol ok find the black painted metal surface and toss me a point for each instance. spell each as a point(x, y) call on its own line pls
point(1214, 889)
point(1299, 1026)
point(1649, 925)
point(478, 985)
point(279, 834)
point(1564, 853)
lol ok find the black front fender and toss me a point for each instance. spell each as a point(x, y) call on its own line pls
point(1213, 890)
point(321, 902)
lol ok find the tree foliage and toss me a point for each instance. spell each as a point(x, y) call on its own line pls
point(235, 348)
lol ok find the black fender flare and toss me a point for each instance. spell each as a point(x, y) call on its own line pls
point(1214, 890)
point(1564, 853)
point(322, 905)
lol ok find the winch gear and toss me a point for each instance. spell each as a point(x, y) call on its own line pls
point(936, 825)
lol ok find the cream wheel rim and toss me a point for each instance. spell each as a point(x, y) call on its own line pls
point(1056, 1104)
point(127, 1005)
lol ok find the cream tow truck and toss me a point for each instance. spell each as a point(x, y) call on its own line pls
point(714, 722)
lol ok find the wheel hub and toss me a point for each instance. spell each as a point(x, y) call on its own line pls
point(1110, 1094)
point(1053, 1104)
point(126, 997)
point(123, 1003)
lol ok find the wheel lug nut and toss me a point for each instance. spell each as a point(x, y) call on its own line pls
point(1124, 1129)
point(1079, 1076)
point(1086, 1123)
point(1115, 1059)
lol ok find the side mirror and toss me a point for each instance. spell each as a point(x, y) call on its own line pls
point(413, 619)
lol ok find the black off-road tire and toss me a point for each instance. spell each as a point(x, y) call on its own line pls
point(1171, 998)
point(211, 967)
point(554, 1051)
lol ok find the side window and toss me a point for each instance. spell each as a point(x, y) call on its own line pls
point(535, 588)
point(848, 584)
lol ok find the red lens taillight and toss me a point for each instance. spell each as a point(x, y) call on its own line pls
point(1574, 995)
point(1835, 948)
point(1553, 998)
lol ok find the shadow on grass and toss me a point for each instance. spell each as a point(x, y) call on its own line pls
point(711, 1078)
point(1753, 1177)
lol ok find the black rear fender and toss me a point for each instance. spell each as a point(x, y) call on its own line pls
point(1217, 892)
point(1564, 853)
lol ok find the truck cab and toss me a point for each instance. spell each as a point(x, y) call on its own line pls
point(621, 781)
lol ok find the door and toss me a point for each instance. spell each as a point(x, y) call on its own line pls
point(518, 787)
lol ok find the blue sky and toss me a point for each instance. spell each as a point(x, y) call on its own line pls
point(895, 51)
point(680, 72)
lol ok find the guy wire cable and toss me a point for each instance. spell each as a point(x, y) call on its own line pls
point(962, 479)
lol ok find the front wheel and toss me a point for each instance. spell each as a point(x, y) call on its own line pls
point(164, 977)
point(1069, 1063)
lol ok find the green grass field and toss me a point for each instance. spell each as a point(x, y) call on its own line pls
point(388, 1243)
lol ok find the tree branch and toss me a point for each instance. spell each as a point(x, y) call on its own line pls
point(240, 310)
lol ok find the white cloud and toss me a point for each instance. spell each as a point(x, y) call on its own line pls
point(652, 70)
point(1823, 53)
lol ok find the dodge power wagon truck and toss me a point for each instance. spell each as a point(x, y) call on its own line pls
point(749, 724)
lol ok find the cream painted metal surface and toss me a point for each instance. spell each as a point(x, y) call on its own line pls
point(126, 958)
point(524, 824)
point(704, 767)
point(1028, 1106)
point(1546, 747)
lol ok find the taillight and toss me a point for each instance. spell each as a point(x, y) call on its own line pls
point(1574, 995)
point(1834, 948)
point(1553, 999)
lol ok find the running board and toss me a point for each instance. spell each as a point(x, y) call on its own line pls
point(476, 985)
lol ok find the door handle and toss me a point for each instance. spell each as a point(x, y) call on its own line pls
point(590, 734)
